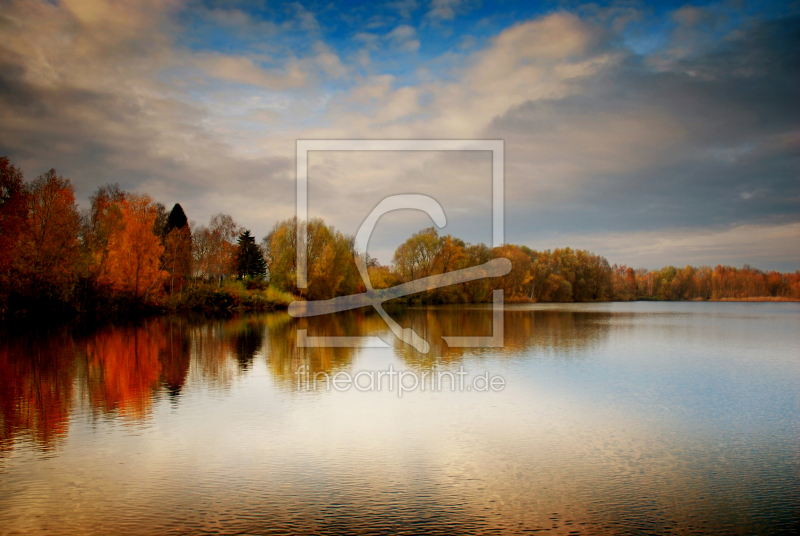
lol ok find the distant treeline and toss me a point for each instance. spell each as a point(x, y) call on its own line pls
point(560, 275)
point(126, 252)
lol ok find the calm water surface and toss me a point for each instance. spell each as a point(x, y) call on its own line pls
point(615, 418)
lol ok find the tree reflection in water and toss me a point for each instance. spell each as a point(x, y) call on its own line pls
point(119, 371)
point(36, 388)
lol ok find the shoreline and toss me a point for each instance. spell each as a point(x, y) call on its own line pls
point(255, 306)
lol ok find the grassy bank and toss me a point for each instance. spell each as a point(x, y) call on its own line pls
point(229, 296)
point(98, 305)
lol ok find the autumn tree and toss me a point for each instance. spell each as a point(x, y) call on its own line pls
point(623, 283)
point(417, 257)
point(47, 254)
point(331, 262)
point(103, 222)
point(479, 290)
point(451, 255)
point(13, 213)
point(13, 220)
point(213, 248)
point(177, 238)
point(514, 283)
point(134, 253)
point(381, 276)
point(280, 252)
point(53, 226)
point(331, 269)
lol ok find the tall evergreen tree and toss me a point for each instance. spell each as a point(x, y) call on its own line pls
point(176, 219)
point(177, 240)
point(249, 258)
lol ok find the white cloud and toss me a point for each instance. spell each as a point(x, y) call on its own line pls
point(369, 39)
point(404, 37)
point(307, 19)
point(404, 7)
point(241, 69)
point(402, 103)
point(444, 9)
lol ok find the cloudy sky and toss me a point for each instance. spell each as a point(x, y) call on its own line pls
point(651, 135)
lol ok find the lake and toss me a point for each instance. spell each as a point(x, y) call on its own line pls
point(630, 418)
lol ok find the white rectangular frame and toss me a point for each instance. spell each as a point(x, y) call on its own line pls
point(304, 146)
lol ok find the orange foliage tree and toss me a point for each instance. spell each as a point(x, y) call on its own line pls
point(51, 248)
point(177, 256)
point(514, 283)
point(13, 212)
point(134, 253)
point(104, 221)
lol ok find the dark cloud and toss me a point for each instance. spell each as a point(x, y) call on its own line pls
point(95, 137)
point(709, 139)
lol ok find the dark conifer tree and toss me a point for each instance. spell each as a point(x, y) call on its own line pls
point(176, 219)
point(177, 240)
point(249, 258)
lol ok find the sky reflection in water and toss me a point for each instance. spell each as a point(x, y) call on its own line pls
point(655, 417)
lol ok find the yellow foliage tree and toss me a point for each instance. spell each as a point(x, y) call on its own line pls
point(331, 267)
